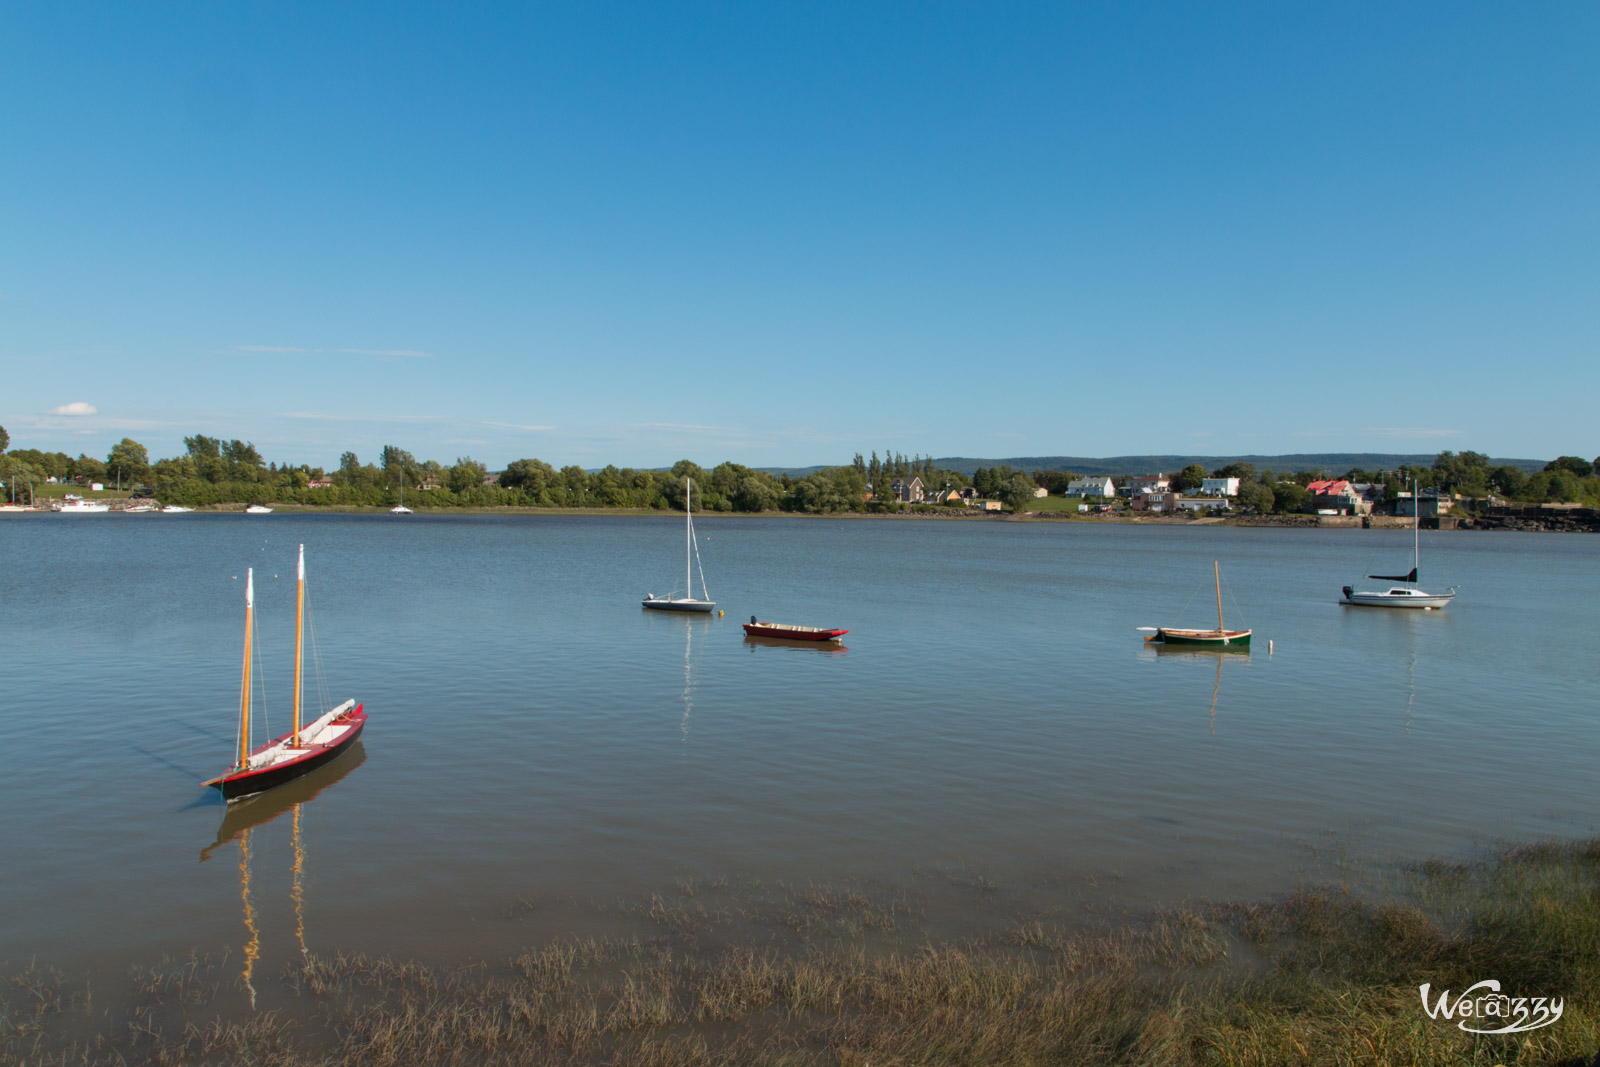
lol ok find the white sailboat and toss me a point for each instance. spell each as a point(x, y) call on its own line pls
point(691, 554)
point(400, 508)
point(1408, 595)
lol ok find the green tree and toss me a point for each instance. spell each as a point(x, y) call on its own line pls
point(1017, 492)
point(1245, 472)
point(5, 439)
point(1508, 481)
point(1189, 478)
point(529, 475)
point(466, 475)
point(202, 447)
point(1254, 496)
point(1289, 496)
point(1572, 464)
point(754, 494)
point(86, 469)
point(129, 459)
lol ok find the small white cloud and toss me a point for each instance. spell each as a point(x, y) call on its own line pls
point(77, 407)
point(519, 426)
point(1412, 431)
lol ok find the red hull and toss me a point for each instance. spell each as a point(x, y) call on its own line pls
point(761, 629)
point(259, 780)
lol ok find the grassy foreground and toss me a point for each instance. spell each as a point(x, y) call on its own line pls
point(825, 975)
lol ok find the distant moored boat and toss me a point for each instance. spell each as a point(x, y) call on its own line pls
point(691, 554)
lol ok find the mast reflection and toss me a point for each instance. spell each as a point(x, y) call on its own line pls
point(1220, 653)
point(245, 817)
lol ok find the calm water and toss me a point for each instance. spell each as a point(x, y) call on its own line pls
point(536, 737)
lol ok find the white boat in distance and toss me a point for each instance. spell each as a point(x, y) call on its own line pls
point(1402, 596)
point(400, 508)
point(691, 552)
point(173, 509)
point(79, 506)
point(257, 509)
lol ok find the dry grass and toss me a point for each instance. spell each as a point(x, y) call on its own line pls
point(845, 975)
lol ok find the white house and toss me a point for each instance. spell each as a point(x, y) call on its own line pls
point(1219, 487)
point(1147, 483)
point(1040, 493)
point(1091, 487)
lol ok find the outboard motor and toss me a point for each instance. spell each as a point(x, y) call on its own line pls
point(1347, 592)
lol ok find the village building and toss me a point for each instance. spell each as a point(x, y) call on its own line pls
point(907, 490)
point(1147, 483)
point(1091, 487)
point(1430, 503)
point(1337, 497)
point(1219, 487)
point(1151, 501)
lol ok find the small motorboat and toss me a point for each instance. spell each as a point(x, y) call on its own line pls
point(789, 632)
point(258, 509)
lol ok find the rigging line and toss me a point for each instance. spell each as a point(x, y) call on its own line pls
point(696, 542)
point(261, 682)
point(1184, 613)
point(1237, 610)
point(321, 680)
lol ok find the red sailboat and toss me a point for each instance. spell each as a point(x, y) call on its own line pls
point(301, 750)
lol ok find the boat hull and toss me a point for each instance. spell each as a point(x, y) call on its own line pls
point(1398, 599)
point(1205, 638)
point(792, 633)
point(664, 604)
point(243, 784)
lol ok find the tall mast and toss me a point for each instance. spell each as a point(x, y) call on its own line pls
point(1216, 566)
point(1416, 530)
point(688, 535)
point(299, 623)
point(244, 687)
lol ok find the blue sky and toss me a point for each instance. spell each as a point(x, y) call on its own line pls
point(782, 234)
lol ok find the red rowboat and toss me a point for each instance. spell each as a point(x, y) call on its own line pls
point(791, 633)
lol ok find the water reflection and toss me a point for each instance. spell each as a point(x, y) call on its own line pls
point(826, 648)
point(689, 624)
point(245, 815)
point(1221, 653)
point(244, 818)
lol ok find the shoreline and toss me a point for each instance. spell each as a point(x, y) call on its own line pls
point(718, 971)
point(1555, 523)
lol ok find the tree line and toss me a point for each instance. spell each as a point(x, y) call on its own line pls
point(213, 470)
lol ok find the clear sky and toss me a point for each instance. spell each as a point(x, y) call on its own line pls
point(782, 233)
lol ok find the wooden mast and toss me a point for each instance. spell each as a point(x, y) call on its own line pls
point(299, 625)
point(1216, 566)
point(244, 688)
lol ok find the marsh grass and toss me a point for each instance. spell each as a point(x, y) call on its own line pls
point(848, 975)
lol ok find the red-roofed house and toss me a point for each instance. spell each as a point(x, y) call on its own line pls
point(1337, 496)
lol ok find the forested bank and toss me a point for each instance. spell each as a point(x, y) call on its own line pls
point(216, 471)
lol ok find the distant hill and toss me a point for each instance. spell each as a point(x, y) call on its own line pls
point(1328, 462)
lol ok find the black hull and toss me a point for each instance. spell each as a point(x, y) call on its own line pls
point(248, 785)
